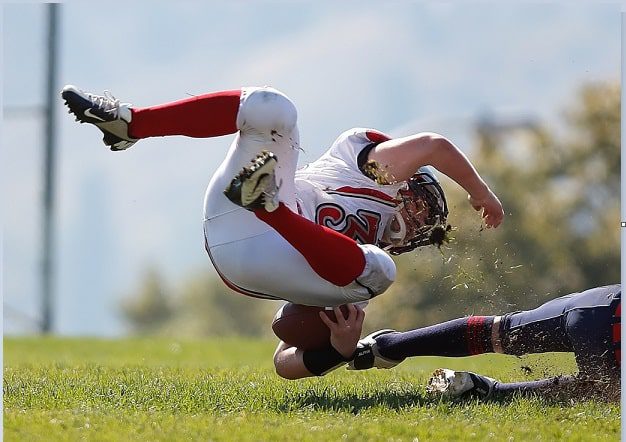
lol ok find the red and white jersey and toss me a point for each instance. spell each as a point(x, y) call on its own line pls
point(333, 192)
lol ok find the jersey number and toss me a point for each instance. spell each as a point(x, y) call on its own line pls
point(362, 227)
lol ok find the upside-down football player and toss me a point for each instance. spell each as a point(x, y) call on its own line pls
point(320, 235)
point(587, 323)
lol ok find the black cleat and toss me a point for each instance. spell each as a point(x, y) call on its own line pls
point(255, 186)
point(103, 111)
point(367, 355)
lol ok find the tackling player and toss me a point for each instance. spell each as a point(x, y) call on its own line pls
point(317, 236)
point(586, 323)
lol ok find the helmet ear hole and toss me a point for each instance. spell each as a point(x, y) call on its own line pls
point(433, 229)
point(393, 236)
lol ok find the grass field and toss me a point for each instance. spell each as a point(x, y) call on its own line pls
point(223, 390)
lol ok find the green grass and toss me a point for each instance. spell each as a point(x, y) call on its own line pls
point(223, 390)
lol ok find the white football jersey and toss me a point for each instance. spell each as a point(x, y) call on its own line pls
point(333, 192)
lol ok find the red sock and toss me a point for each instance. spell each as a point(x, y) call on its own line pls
point(333, 256)
point(204, 116)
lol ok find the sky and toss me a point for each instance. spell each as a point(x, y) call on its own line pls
point(398, 66)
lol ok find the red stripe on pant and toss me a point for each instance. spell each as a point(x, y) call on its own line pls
point(475, 335)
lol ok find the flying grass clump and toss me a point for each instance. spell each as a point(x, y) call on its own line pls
point(440, 235)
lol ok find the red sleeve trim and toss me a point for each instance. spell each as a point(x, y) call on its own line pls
point(376, 137)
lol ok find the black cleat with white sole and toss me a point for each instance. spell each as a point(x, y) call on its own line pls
point(255, 186)
point(103, 111)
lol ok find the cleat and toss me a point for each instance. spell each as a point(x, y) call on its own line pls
point(255, 186)
point(367, 355)
point(455, 384)
point(103, 111)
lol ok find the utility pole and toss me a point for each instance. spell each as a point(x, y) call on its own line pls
point(47, 265)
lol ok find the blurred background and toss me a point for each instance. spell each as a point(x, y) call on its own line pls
point(530, 91)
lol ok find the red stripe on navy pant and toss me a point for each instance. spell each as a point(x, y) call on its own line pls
point(475, 341)
point(468, 335)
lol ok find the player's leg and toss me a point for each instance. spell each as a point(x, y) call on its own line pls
point(282, 243)
point(593, 326)
point(335, 257)
point(457, 384)
point(267, 122)
point(552, 327)
point(535, 331)
point(539, 330)
point(203, 116)
point(459, 337)
point(267, 266)
point(540, 386)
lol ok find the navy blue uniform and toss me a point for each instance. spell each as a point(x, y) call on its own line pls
point(586, 323)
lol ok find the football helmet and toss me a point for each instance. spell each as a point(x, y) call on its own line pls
point(421, 216)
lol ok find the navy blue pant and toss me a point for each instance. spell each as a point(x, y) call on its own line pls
point(586, 323)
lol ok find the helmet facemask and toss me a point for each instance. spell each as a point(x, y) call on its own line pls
point(421, 216)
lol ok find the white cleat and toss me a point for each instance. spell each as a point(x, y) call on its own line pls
point(454, 384)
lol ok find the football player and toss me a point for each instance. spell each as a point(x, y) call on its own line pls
point(587, 323)
point(320, 235)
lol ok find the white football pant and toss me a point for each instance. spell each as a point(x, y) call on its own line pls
point(250, 256)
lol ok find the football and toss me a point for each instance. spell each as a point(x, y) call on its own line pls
point(301, 326)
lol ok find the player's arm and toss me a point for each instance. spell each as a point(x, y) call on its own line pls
point(293, 363)
point(289, 362)
point(400, 158)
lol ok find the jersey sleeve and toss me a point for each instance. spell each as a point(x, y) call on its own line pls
point(350, 143)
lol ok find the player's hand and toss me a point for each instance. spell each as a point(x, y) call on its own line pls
point(491, 207)
point(346, 332)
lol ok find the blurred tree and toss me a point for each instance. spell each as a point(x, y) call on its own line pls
point(149, 309)
point(201, 306)
point(205, 307)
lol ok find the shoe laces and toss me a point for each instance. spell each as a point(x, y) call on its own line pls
point(106, 102)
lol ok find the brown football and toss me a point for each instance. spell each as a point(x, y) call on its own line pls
point(301, 326)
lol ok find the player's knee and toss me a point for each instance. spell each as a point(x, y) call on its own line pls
point(268, 111)
point(379, 272)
